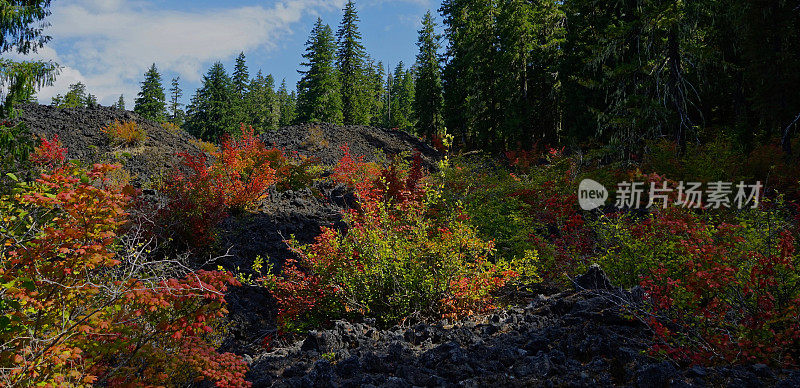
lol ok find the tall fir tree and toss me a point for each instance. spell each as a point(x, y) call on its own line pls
point(318, 91)
point(120, 104)
point(428, 100)
point(240, 77)
point(351, 61)
point(210, 115)
point(378, 90)
point(402, 98)
point(262, 103)
point(151, 101)
point(74, 98)
point(287, 104)
point(177, 115)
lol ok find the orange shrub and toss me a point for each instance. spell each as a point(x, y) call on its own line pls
point(76, 312)
point(125, 133)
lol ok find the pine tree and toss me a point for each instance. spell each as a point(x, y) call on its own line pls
point(120, 104)
point(177, 115)
point(402, 98)
point(287, 104)
point(428, 100)
point(262, 103)
point(20, 31)
point(377, 74)
point(210, 115)
point(74, 98)
point(319, 98)
point(352, 65)
point(151, 101)
point(241, 77)
point(91, 100)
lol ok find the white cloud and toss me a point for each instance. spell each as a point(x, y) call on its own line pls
point(110, 43)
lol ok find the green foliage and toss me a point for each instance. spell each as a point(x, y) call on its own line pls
point(210, 114)
point(176, 114)
point(401, 86)
point(402, 257)
point(287, 105)
point(18, 28)
point(318, 91)
point(120, 104)
point(263, 104)
point(352, 66)
point(428, 100)
point(151, 103)
point(76, 97)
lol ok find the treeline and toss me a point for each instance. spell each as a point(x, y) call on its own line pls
point(520, 73)
point(573, 72)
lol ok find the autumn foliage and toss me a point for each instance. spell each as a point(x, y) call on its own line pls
point(125, 133)
point(401, 258)
point(77, 311)
point(232, 179)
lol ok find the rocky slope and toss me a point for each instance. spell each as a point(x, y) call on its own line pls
point(80, 131)
point(575, 338)
point(583, 337)
point(325, 142)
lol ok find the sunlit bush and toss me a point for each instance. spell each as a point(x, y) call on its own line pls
point(80, 307)
point(126, 133)
point(401, 258)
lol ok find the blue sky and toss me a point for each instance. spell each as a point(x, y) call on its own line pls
point(109, 44)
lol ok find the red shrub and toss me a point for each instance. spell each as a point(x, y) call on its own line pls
point(77, 312)
point(727, 303)
point(49, 154)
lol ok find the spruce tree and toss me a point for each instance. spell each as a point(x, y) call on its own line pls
point(75, 97)
point(319, 98)
point(428, 100)
point(120, 104)
point(151, 102)
point(210, 115)
point(262, 103)
point(175, 111)
point(241, 77)
point(91, 100)
point(287, 104)
point(402, 98)
point(351, 62)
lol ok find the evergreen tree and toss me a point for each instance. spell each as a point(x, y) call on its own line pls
point(241, 77)
point(74, 98)
point(357, 99)
point(91, 100)
point(151, 101)
point(402, 98)
point(210, 115)
point(319, 98)
point(120, 104)
point(471, 76)
point(177, 116)
point(287, 104)
point(20, 31)
point(379, 105)
point(263, 110)
point(428, 100)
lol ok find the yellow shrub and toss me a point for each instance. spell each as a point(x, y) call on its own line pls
point(207, 147)
point(171, 127)
point(125, 133)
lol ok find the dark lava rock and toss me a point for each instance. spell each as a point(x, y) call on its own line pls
point(325, 141)
point(573, 345)
point(80, 131)
point(594, 279)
